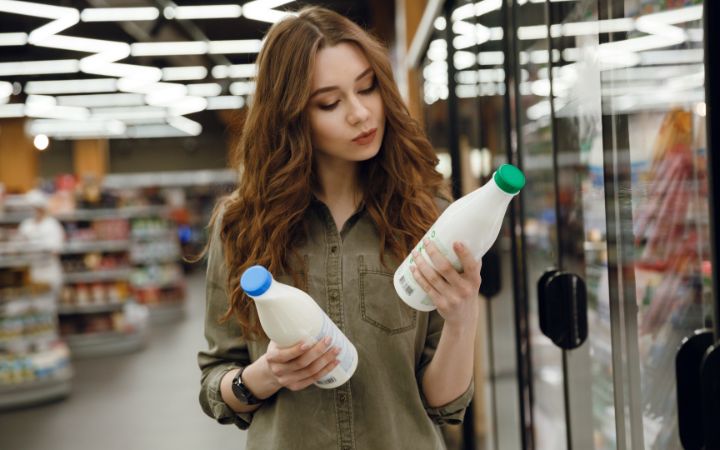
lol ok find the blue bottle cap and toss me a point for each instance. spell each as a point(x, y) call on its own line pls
point(255, 281)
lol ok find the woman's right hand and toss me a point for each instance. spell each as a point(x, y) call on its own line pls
point(301, 365)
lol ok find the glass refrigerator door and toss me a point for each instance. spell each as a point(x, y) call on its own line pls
point(653, 98)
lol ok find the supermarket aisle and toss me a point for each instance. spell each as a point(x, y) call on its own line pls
point(144, 400)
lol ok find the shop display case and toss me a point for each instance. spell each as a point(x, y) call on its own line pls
point(34, 361)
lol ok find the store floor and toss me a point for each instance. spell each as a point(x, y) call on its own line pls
point(143, 400)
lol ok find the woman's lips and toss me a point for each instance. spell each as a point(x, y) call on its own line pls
point(366, 138)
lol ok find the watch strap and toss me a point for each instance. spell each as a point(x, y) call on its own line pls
point(241, 391)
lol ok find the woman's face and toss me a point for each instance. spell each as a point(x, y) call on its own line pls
point(347, 117)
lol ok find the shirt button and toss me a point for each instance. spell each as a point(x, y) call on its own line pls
point(333, 294)
point(346, 447)
point(333, 249)
point(342, 397)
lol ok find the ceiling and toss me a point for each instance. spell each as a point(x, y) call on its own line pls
point(148, 98)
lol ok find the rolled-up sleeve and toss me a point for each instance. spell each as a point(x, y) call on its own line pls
point(227, 349)
point(453, 412)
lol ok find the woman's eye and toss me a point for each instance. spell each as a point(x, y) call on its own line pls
point(370, 89)
point(328, 107)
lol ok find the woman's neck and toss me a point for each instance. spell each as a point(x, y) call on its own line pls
point(339, 188)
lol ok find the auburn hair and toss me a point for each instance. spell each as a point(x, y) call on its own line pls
point(262, 221)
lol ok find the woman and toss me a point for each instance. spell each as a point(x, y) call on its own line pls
point(338, 184)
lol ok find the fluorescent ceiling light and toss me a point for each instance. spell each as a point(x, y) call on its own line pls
point(532, 32)
point(203, 12)
point(187, 105)
point(116, 49)
point(164, 94)
point(184, 73)
point(71, 128)
point(463, 60)
point(98, 100)
point(235, 46)
point(65, 20)
point(12, 110)
point(56, 112)
point(262, 10)
point(138, 113)
point(464, 12)
point(187, 126)
point(487, 6)
point(204, 89)
point(8, 39)
point(39, 67)
point(677, 15)
point(152, 131)
point(71, 86)
point(6, 89)
point(440, 23)
point(235, 71)
point(33, 9)
point(225, 102)
point(129, 72)
point(169, 48)
point(491, 58)
point(242, 88)
point(119, 14)
point(672, 57)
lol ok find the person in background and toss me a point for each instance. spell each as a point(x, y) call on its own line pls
point(337, 185)
point(47, 233)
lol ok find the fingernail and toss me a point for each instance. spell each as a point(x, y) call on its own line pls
point(327, 341)
point(426, 241)
point(415, 253)
point(305, 346)
point(337, 350)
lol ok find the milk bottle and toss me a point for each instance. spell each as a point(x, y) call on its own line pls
point(475, 220)
point(289, 315)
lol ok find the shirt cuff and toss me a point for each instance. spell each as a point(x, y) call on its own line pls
point(453, 412)
point(215, 407)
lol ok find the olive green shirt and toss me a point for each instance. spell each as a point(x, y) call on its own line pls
point(382, 406)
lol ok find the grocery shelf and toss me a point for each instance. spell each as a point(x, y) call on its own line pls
point(89, 309)
point(34, 392)
point(105, 344)
point(99, 275)
point(163, 313)
point(21, 260)
point(127, 212)
point(159, 259)
point(95, 246)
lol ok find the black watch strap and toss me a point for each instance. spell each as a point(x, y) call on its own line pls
point(241, 391)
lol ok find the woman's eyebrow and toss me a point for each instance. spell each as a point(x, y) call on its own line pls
point(332, 88)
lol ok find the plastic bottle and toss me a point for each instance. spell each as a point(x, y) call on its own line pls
point(475, 220)
point(289, 315)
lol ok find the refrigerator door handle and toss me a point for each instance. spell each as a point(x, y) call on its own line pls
point(562, 308)
point(710, 381)
point(688, 365)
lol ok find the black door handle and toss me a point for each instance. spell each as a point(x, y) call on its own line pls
point(710, 381)
point(490, 273)
point(688, 364)
point(562, 305)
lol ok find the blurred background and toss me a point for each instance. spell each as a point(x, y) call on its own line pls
point(599, 298)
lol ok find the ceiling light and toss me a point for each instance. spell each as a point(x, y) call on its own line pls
point(235, 46)
point(491, 58)
point(164, 94)
point(169, 48)
point(487, 6)
point(64, 21)
point(41, 142)
point(6, 89)
point(262, 10)
point(126, 72)
point(98, 100)
point(71, 128)
point(242, 88)
point(701, 109)
point(204, 89)
point(202, 12)
point(184, 73)
point(152, 131)
point(71, 86)
point(39, 67)
point(225, 102)
point(8, 39)
point(12, 110)
point(187, 105)
point(119, 14)
point(138, 113)
point(185, 125)
point(440, 23)
point(235, 71)
point(532, 32)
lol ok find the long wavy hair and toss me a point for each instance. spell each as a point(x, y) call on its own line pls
point(261, 222)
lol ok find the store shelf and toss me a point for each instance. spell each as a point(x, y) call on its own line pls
point(95, 246)
point(21, 260)
point(35, 392)
point(89, 309)
point(100, 275)
point(105, 344)
point(114, 213)
point(166, 313)
point(159, 259)
point(154, 234)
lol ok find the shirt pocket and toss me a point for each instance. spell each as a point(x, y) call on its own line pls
point(379, 303)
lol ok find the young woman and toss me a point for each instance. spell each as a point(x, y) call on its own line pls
point(337, 184)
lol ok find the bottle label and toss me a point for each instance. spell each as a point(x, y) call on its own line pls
point(434, 237)
point(338, 339)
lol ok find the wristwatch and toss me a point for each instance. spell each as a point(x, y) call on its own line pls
point(241, 391)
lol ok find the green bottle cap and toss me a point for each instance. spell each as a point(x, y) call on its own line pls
point(509, 178)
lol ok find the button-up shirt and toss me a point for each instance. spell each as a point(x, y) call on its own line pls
point(382, 406)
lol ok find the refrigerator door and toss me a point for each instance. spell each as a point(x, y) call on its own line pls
point(656, 164)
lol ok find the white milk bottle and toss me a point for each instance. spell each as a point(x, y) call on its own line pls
point(474, 219)
point(289, 316)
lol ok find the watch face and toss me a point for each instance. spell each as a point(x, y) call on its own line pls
point(242, 392)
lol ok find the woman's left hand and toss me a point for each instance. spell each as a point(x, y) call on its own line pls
point(455, 294)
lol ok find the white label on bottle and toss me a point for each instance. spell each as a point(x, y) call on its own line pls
point(339, 340)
